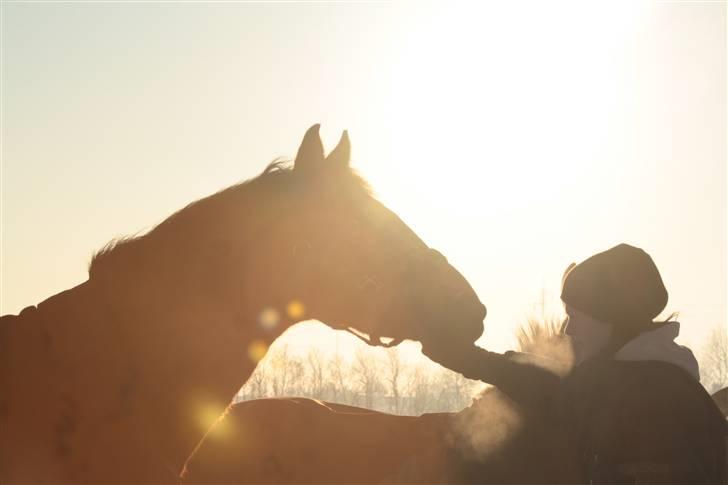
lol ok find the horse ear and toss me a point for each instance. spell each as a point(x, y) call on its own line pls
point(311, 152)
point(342, 153)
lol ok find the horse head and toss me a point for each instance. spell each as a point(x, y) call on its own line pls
point(364, 268)
point(300, 242)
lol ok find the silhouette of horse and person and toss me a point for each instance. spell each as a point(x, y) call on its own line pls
point(128, 377)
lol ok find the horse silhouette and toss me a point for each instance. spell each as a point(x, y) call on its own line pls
point(118, 378)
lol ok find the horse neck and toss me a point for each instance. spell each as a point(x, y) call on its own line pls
point(194, 350)
point(141, 369)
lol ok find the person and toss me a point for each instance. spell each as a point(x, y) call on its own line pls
point(632, 398)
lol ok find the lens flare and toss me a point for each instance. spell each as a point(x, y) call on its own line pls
point(211, 414)
point(295, 310)
point(269, 318)
point(257, 350)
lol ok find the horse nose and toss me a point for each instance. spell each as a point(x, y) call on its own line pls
point(483, 312)
point(478, 311)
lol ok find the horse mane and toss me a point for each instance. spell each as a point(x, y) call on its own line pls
point(122, 244)
point(277, 177)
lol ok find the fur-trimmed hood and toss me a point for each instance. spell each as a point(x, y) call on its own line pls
point(660, 345)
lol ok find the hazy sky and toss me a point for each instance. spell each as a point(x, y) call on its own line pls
point(515, 137)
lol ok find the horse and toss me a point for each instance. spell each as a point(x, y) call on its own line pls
point(118, 378)
point(494, 440)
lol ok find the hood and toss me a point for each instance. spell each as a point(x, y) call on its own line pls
point(659, 344)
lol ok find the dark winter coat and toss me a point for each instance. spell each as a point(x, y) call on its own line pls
point(632, 421)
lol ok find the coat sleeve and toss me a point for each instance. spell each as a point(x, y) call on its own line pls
point(517, 375)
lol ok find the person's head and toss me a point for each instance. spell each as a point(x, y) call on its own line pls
point(610, 298)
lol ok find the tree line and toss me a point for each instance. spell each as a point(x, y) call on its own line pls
point(373, 378)
point(384, 380)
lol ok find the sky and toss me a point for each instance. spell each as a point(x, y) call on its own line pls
point(514, 137)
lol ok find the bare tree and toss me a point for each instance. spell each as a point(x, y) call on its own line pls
point(459, 391)
point(316, 376)
point(714, 361)
point(418, 390)
point(296, 377)
point(279, 375)
point(338, 375)
point(394, 377)
point(366, 372)
point(257, 385)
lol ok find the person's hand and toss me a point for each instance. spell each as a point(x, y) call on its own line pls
point(448, 352)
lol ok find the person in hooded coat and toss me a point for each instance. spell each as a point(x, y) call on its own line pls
point(632, 401)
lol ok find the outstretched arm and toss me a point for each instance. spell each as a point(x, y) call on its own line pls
point(515, 374)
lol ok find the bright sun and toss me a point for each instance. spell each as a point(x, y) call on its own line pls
point(470, 127)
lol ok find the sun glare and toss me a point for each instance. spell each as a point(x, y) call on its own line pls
point(469, 120)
